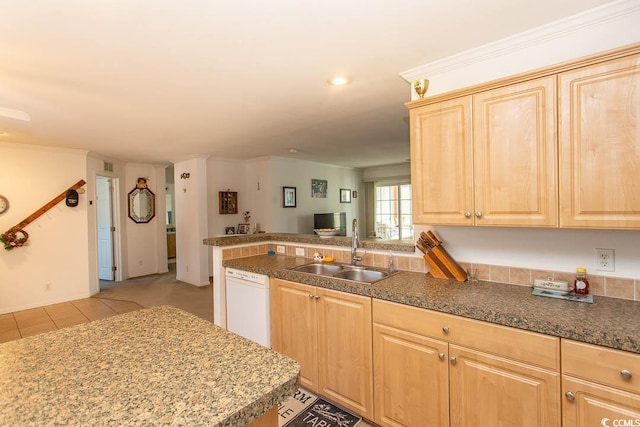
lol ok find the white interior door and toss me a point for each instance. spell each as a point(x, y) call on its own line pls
point(104, 201)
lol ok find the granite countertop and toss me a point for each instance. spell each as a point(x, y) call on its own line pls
point(311, 239)
point(157, 366)
point(609, 322)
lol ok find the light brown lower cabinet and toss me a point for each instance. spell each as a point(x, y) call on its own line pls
point(425, 376)
point(411, 378)
point(599, 386)
point(405, 366)
point(329, 333)
point(487, 390)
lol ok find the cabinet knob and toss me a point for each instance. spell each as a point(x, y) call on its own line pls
point(453, 360)
point(467, 214)
point(570, 396)
point(441, 356)
point(626, 374)
point(316, 296)
point(445, 329)
point(310, 295)
point(478, 214)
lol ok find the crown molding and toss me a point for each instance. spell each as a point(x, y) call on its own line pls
point(516, 42)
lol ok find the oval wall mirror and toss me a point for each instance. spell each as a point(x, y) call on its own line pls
point(142, 205)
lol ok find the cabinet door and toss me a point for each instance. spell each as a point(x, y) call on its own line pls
point(411, 379)
point(488, 391)
point(442, 163)
point(589, 404)
point(294, 327)
point(344, 350)
point(515, 155)
point(600, 145)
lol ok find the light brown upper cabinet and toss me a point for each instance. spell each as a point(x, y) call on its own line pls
point(600, 145)
point(487, 159)
point(442, 162)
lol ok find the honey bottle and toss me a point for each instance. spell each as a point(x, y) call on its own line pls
point(582, 283)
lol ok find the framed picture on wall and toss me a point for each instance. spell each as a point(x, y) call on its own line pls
point(345, 195)
point(319, 188)
point(288, 197)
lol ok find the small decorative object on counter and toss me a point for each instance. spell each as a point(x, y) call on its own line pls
point(582, 283)
point(317, 257)
point(442, 265)
point(391, 268)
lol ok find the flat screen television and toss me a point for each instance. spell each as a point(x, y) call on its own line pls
point(331, 220)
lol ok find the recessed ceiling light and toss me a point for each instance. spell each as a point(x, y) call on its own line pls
point(338, 81)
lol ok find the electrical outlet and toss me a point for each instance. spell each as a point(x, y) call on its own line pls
point(280, 249)
point(605, 259)
point(299, 251)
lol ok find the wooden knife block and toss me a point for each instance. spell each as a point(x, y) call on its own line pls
point(443, 266)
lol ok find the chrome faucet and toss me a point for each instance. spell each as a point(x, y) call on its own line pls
point(355, 242)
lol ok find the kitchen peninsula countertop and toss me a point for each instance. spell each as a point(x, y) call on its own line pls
point(157, 366)
point(608, 322)
point(311, 239)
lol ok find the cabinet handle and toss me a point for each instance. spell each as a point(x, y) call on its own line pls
point(310, 295)
point(570, 396)
point(316, 296)
point(445, 329)
point(626, 374)
point(467, 214)
point(441, 356)
point(453, 360)
point(478, 214)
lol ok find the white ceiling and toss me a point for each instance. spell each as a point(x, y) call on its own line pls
point(160, 80)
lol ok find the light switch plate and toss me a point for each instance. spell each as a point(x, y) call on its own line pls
point(299, 251)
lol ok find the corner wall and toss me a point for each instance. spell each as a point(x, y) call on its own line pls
point(57, 252)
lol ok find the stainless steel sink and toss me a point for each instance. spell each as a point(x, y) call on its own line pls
point(322, 269)
point(368, 276)
point(346, 272)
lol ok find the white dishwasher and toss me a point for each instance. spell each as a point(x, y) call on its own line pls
point(248, 305)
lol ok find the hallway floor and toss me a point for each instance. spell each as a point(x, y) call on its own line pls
point(113, 298)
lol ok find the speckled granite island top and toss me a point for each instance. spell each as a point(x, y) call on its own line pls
point(609, 322)
point(158, 366)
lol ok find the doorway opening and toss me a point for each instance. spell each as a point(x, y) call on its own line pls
point(170, 218)
point(106, 208)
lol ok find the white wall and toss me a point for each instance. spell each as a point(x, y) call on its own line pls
point(297, 173)
point(191, 198)
point(259, 185)
point(387, 173)
point(57, 251)
point(223, 175)
point(593, 31)
point(260, 196)
point(146, 243)
point(563, 250)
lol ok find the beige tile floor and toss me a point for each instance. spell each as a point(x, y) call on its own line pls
point(51, 317)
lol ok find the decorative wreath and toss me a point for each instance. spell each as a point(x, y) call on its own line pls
point(14, 239)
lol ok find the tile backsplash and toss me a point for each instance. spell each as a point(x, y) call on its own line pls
point(599, 285)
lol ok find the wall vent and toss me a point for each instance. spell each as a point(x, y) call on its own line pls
point(108, 166)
